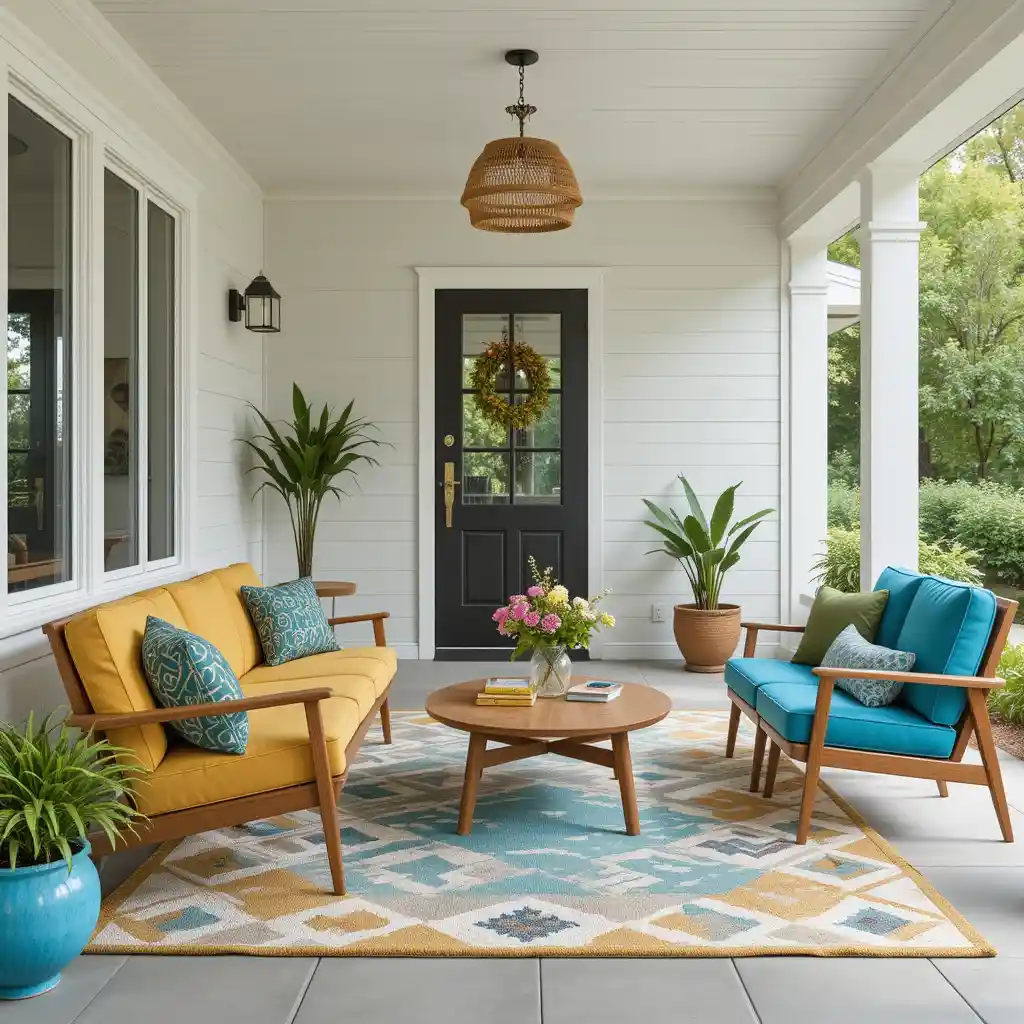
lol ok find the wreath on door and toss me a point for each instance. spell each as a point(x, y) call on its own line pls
point(495, 407)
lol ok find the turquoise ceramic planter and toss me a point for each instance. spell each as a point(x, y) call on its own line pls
point(46, 918)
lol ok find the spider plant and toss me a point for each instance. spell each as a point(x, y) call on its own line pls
point(706, 549)
point(302, 462)
point(55, 786)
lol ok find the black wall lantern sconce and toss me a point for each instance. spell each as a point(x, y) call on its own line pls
point(260, 304)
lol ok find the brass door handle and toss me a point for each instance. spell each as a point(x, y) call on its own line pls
point(450, 483)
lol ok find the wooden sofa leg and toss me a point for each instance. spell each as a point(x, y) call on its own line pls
point(943, 788)
point(990, 759)
point(385, 721)
point(963, 737)
point(755, 770)
point(734, 728)
point(815, 755)
point(328, 798)
point(773, 767)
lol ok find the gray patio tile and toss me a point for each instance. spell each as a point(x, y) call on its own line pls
point(992, 986)
point(201, 990)
point(806, 990)
point(79, 983)
point(118, 867)
point(653, 991)
point(423, 991)
point(991, 900)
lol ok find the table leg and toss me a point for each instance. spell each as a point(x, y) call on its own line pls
point(474, 769)
point(624, 773)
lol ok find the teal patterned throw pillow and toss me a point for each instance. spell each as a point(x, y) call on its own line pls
point(851, 650)
point(182, 668)
point(289, 621)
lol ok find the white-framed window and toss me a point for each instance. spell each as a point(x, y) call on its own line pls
point(98, 409)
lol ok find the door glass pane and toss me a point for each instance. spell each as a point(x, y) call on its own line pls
point(545, 432)
point(538, 478)
point(38, 352)
point(120, 373)
point(477, 431)
point(485, 478)
point(479, 330)
point(161, 364)
point(543, 333)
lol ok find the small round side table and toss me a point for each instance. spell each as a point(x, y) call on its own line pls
point(334, 589)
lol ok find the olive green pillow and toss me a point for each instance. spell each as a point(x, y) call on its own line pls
point(831, 613)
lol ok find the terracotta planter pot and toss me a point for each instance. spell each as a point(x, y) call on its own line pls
point(706, 639)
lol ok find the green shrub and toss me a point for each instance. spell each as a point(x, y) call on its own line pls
point(940, 504)
point(843, 507)
point(992, 523)
point(839, 567)
point(1008, 702)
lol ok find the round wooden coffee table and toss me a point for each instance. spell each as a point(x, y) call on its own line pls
point(551, 726)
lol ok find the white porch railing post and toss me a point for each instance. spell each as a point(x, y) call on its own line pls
point(889, 236)
point(808, 418)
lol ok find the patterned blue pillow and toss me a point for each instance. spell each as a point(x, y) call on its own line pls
point(182, 669)
point(289, 621)
point(851, 650)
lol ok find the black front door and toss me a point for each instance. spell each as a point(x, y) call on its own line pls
point(520, 492)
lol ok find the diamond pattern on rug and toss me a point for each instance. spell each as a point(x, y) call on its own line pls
point(547, 869)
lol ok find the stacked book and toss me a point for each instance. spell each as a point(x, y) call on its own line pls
point(597, 691)
point(510, 693)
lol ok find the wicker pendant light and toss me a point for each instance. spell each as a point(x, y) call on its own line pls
point(521, 185)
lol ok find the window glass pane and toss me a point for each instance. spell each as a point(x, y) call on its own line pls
point(538, 478)
point(120, 373)
point(479, 330)
point(543, 333)
point(478, 432)
point(485, 478)
point(160, 370)
point(38, 352)
point(545, 432)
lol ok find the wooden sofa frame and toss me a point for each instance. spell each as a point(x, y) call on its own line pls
point(323, 792)
point(816, 755)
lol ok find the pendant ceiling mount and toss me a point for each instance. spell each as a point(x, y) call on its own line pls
point(521, 185)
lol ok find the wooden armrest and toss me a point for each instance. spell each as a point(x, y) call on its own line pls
point(930, 678)
point(774, 627)
point(157, 716)
point(342, 620)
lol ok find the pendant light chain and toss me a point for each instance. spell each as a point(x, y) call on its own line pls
point(522, 101)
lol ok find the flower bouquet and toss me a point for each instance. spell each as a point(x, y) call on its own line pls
point(546, 621)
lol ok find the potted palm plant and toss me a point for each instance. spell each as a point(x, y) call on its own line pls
point(706, 630)
point(55, 787)
point(302, 462)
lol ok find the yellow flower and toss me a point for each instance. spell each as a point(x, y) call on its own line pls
point(607, 620)
point(558, 595)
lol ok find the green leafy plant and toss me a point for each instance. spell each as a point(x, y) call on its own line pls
point(839, 566)
point(706, 549)
point(55, 786)
point(302, 462)
point(1008, 701)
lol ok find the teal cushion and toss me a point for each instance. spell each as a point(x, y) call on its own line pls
point(851, 650)
point(182, 668)
point(744, 675)
point(289, 621)
point(789, 709)
point(947, 627)
point(902, 585)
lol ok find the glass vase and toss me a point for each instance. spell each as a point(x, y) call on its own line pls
point(550, 671)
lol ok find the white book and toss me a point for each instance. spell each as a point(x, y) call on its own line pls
point(597, 691)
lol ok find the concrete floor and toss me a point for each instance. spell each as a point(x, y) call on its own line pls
point(954, 842)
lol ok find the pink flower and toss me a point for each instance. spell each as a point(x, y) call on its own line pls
point(502, 630)
point(519, 610)
point(535, 591)
point(516, 599)
point(550, 623)
point(531, 619)
point(500, 615)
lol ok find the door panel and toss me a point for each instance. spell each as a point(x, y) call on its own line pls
point(520, 492)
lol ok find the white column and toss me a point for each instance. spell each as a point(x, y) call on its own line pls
point(889, 236)
point(808, 420)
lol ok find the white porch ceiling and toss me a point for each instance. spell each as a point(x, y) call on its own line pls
point(365, 97)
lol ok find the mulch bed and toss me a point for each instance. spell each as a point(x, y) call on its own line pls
point(1008, 737)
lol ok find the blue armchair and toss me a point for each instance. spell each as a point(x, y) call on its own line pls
point(958, 633)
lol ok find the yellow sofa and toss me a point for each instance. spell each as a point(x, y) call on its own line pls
point(306, 718)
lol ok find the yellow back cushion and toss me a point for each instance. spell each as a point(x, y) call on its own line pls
point(106, 645)
point(212, 607)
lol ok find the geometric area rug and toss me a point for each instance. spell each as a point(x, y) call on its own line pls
point(548, 869)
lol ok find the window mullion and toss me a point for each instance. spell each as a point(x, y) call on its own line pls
point(90, 385)
point(142, 380)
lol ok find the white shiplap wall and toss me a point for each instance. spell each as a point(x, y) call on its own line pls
point(229, 362)
point(691, 378)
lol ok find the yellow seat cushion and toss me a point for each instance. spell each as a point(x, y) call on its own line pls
point(278, 755)
point(213, 609)
point(106, 646)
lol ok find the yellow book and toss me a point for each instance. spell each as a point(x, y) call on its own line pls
point(484, 700)
point(518, 687)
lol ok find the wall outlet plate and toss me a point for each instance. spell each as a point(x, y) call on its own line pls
point(657, 613)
